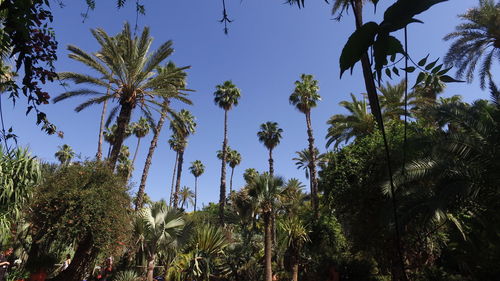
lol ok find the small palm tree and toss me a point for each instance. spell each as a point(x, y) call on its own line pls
point(226, 96)
point(296, 236)
point(478, 38)
point(186, 196)
point(197, 169)
point(250, 174)
point(233, 159)
point(140, 129)
point(182, 127)
point(360, 122)
point(65, 154)
point(270, 136)
point(304, 160)
point(304, 98)
point(266, 191)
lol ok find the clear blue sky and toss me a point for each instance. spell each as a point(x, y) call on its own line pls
point(269, 45)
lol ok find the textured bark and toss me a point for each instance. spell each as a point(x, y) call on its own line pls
point(173, 179)
point(151, 268)
point(271, 163)
point(295, 269)
point(273, 216)
point(149, 158)
point(133, 159)
point(178, 182)
point(231, 181)
point(312, 167)
point(195, 192)
point(222, 197)
point(122, 123)
point(101, 131)
point(268, 248)
point(82, 261)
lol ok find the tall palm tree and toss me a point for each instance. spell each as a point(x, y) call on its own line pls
point(360, 122)
point(182, 127)
point(266, 190)
point(478, 38)
point(176, 90)
point(186, 196)
point(226, 96)
point(304, 98)
point(270, 136)
point(130, 74)
point(175, 145)
point(233, 159)
point(140, 129)
point(65, 154)
point(197, 169)
point(160, 227)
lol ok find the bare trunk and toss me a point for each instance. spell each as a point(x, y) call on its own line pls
point(222, 197)
point(133, 159)
point(149, 158)
point(231, 181)
point(151, 268)
point(178, 182)
point(268, 248)
point(173, 179)
point(82, 260)
point(295, 270)
point(195, 192)
point(273, 216)
point(312, 167)
point(271, 163)
point(122, 123)
point(101, 130)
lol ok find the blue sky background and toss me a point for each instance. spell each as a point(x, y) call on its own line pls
point(269, 45)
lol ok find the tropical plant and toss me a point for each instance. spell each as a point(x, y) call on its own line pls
point(197, 169)
point(186, 196)
point(360, 122)
point(226, 97)
point(110, 133)
point(478, 38)
point(304, 160)
point(175, 144)
point(250, 174)
point(182, 127)
point(130, 70)
point(265, 190)
point(140, 129)
point(65, 154)
point(305, 97)
point(233, 159)
point(128, 275)
point(270, 136)
point(296, 236)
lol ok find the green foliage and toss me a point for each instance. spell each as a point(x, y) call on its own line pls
point(127, 275)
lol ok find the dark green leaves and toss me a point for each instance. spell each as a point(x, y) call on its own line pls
point(385, 46)
point(448, 79)
point(401, 13)
point(357, 45)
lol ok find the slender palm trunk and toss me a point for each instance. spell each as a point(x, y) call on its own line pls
point(151, 268)
point(173, 178)
point(222, 197)
point(195, 192)
point(149, 158)
point(178, 182)
point(268, 245)
point(295, 268)
point(273, 216)
point(109, 150)
point(122, 123)
point(312, 167)
point(271, 163)
point(231, 181)
point(133, 159)
point(101, 130)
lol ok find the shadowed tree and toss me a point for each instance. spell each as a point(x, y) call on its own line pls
point(65, 154)
point(182, 127)
point(270, 136)
point(305, 97)
point(296, 236)
point(359, 122)
point(225, 96)
point(250, 174)
point(478, 38)
point(197, 169)
point(233, 159)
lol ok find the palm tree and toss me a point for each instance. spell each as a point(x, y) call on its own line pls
point(226, 96)
point(65, 154)
point(266, 190)
point(304, 98)
point(296, 235)
point(110, 133)
point(186, 196)
point(478, 38)
point(270, 136)
point(233, 159)
point(292, 198)
point(175, 145)
point(250, 174)
point(161, 227)
point(182, 127)
point(124, 166)
point(176, 90)
point(360, 122)
point(197, 169)
point(131, 77)
point(140, 129)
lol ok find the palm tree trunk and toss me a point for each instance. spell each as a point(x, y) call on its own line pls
point(149, 158)
point(173, 179)
point(231, 181)
point(122, 123)
point(151, 268)
point(273, 216)
point(222, 197)
point(295, 268)
point(133, 159)
point(101, 130)
point(312, 167)
point(195, 192)
point(268, 248)
point(178, 182)
point(271, 162)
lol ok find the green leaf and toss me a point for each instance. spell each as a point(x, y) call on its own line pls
point(448, 79)
point(423, 61)
point(420, 78)
point(393, 58)
point(431, 65)
point(444, 71)
point(401, 13)
point(385, 46)
point(437, 68)
point(395, 70)
point(409, 69)
point(357, 45)
point(388, 72)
